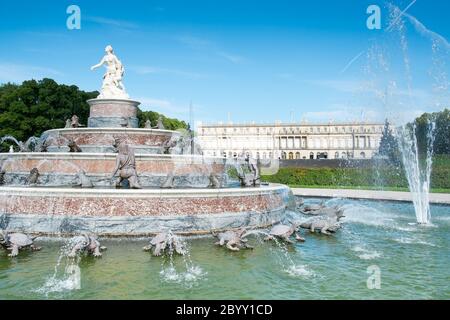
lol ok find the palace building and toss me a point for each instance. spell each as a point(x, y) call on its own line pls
point(291, 140)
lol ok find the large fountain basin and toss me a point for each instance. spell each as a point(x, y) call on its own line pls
point(102, 139)
point(118, 212)
point(60, 169)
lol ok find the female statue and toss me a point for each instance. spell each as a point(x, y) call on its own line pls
point(112, 87)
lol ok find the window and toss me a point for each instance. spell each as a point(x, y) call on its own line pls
point(297, 155)
point(291, 156)
point(336, 155)
point(363, 155)
point(283, 155)
point(311, 155)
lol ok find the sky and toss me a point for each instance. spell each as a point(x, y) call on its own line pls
point(242, 61)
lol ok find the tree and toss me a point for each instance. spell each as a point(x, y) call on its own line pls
point(388, 144)
point(35, 106)
point(30, 108)
point(169, 123)
point(441, 121)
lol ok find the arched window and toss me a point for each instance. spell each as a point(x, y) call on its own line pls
point(363, 155)
point(311, 155)
point(291, 156)
point(297, 155)
point(344, 155)
point(336, 155)
point(283, 155)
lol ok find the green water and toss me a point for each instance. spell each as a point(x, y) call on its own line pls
point(413, 262)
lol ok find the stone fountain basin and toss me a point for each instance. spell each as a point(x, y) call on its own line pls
point(125, 212)
point(102, 139)
point(60, 169)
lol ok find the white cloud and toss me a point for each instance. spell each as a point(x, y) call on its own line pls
point(197, 43)
point(10, 72)
point(111, 22)
point(143, 70)
point(231, 57)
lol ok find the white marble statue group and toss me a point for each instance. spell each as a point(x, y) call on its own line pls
point(112, 87)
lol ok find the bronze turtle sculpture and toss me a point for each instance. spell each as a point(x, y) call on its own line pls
point(284, 232)
point(87, 243)
point(17, 241)
point(164, 240)
point(234, 240)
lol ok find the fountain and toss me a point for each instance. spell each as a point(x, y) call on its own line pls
point(418, 175)
point(74, 192)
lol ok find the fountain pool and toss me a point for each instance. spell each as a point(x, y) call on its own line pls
point(413, 260)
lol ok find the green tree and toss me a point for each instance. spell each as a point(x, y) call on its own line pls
point(34, 106)
point(169, 123)
point(30, 108)
point(441, 122)
point(388, 144)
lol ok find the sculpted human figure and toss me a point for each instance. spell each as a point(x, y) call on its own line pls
point(251, 179)
point(112, 86)
point(126, 166)
point(2, 176)
point(160, 124)
point(74, 121)
point(73, 147)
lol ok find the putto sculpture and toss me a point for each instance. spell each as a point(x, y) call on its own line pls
point(249, 173)
point(2, 176)
point(126, 166)
point(33, 177)
point(73, 147)
point(112, 87)
point(74, 121)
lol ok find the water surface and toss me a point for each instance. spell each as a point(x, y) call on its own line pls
point(413, 261)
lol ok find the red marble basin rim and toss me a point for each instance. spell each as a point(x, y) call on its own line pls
point(114, 130)
point(139, 193)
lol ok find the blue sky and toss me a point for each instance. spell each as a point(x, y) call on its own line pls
point(245, 60)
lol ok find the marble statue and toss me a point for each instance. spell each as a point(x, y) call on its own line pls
point(74, 122)
point(2, 176)
point(33, 177)
point(68, 124)
point(160, 124)
point(126, 166)
point(251, 179)
point(112, 87)
point(73, 147)
point(148, 124)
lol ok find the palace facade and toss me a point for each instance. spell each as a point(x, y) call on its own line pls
point(291, 140)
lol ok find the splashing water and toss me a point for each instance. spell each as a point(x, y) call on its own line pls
point(418, 178)
point(191, 274)
point(67, 280)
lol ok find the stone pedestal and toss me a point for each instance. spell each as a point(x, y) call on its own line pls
point(113, 113)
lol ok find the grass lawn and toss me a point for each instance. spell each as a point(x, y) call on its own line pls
point(436, 190)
